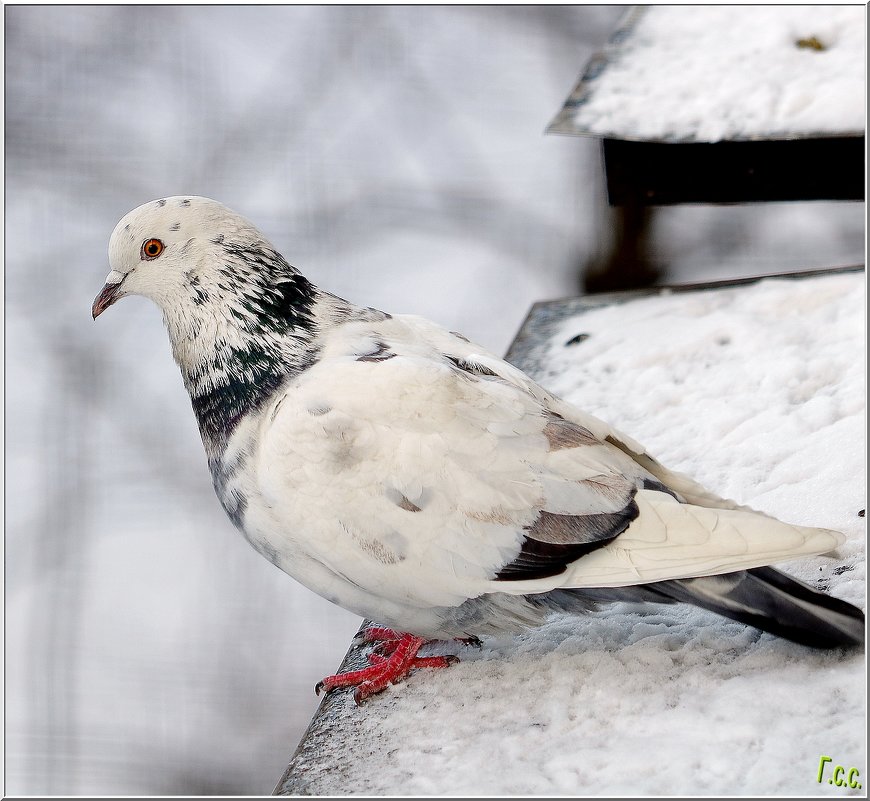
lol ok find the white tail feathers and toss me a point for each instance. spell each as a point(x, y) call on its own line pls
point(670, 540)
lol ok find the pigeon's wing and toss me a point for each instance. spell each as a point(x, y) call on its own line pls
point(417, 476)
point(475, 358)
point(679, 540)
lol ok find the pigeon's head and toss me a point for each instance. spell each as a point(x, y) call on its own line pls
point(171, 251)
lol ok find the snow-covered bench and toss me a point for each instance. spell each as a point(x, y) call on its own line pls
point(756, 388)
point(726, 104)
point(719, 105)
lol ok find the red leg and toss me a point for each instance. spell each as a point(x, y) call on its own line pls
point(390, 638)
point(419, 661)
point(381, 634)
point(435, 661)
point(387, 639)
point(385, 670)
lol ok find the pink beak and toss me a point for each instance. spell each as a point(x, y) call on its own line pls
point(108, 295)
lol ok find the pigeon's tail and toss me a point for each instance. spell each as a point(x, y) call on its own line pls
point(762, 597)
point(769, 600)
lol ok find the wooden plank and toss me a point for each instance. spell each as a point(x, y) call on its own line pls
point(308, 763)
point(665, 173)
point(322, 754)
point(533, 338)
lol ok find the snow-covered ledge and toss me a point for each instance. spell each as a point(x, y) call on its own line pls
point(757, 390)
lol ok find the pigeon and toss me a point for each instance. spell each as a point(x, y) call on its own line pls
point(416, 479)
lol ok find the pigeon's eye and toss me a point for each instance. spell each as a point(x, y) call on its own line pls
point(151, 249)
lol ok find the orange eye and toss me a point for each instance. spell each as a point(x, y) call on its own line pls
point(151, 249)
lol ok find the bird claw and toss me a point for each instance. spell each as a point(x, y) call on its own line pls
point(363, 691)
point(385, 669)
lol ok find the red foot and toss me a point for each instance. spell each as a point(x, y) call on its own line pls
point(388, 639)
point(419, 661)
point(390, 636)
point(400, 659)
point(381, 634)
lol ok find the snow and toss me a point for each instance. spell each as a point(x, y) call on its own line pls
point(758, 391)
point(708, 73)
point(396, 155)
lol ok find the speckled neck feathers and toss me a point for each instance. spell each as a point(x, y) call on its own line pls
point(249, 322)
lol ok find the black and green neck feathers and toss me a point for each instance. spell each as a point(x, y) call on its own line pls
point(256, 328)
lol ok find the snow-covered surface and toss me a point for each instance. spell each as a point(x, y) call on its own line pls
point(758, 391)
point(708, 73)
point(396, 155)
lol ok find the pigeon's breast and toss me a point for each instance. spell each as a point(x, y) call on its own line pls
point(390, 473)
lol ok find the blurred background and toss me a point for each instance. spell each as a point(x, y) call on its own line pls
point(396, 155)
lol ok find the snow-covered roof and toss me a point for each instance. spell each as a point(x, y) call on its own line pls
point(758, 392)
point(712, 73)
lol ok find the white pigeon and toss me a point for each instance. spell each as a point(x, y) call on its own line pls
point(410, 476)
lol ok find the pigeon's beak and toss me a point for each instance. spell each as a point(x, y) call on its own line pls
point(108, 295)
